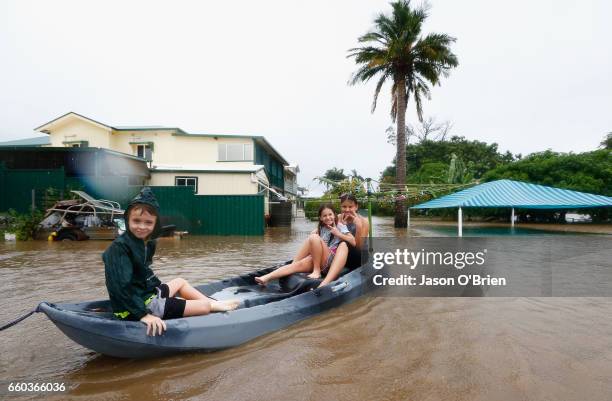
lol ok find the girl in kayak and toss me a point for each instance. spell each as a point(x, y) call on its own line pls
point(318, 251)
point(349, 255)
point(135, 291)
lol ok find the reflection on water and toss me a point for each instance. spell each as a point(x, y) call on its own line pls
point(392, 349)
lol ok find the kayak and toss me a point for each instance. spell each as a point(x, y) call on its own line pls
point(262, 310)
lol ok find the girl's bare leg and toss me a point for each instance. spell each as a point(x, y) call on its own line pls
point(304, 249)
point(320, 253)
point(337, 264)
point(302, 266)
point(316, 250)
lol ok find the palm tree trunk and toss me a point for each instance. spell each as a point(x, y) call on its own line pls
point(400, 162)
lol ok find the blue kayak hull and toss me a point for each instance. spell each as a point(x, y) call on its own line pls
point(262, 311)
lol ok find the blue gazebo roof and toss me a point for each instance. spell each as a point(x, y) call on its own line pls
point(516, 194)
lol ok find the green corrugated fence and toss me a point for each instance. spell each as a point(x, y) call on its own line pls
point(229, 215)
point(176, 204)
point(211, 214)
point(17, 185)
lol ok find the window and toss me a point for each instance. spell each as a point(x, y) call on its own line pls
point(143, 150)
point(232, 152)
point(187, 182)
point(75, 144)
point(140, 151)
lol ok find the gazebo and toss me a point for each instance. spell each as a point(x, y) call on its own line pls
point(514, 194)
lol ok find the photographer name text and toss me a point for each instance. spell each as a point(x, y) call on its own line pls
point(426, 281)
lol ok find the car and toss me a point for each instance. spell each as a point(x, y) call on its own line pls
point(82, 218)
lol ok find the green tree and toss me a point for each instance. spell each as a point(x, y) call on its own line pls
point(458, 171)
point(607, 142)
point(356, 175)
point(396, 50)
point(333, 174)
point(475, 157)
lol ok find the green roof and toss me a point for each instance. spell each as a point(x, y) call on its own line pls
point(36, 141)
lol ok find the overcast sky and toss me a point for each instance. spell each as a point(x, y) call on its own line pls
point(533, 75)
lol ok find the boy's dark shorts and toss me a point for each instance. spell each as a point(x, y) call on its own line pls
point(166, 307)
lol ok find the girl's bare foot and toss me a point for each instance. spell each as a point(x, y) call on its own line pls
point(315, 274)
point(224, 306)
point(261, 281)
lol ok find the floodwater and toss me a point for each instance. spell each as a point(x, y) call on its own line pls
point(372, 349)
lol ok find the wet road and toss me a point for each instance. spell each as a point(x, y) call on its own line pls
point(372, 349)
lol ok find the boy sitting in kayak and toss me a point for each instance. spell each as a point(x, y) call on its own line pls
point(134, 290)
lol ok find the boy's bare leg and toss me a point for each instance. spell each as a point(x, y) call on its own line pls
point(302, 266)
point(198, 307)
point(337, 264)
point(183, 289)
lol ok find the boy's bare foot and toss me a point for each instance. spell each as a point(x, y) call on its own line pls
point(261, 281)
point(224, 306)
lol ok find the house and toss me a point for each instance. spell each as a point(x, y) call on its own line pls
point(291, 186)
point(212, 164)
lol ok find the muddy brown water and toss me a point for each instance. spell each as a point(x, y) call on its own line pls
point(372, 349)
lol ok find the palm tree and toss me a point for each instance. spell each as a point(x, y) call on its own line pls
point(395, 50)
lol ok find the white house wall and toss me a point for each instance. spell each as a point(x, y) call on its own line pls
point(171, 149)
point(210, 183)
point(168, 149)
point(80, 130)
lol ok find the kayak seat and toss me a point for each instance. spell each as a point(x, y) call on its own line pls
point(253, 295)
point(302, 281)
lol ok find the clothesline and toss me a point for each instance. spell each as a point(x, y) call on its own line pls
point(393, 188)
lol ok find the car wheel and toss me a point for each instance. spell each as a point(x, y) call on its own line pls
point(67, 237)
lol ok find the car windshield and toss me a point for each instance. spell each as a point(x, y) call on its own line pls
point(120, 223)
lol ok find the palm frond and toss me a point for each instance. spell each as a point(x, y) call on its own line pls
point(379, 85)
point(365, 73)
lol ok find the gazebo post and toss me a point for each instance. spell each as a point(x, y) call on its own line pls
point(408, 219)
point(460, 223)
point(512, 218)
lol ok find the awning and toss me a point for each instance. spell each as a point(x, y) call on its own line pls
point(516, 194)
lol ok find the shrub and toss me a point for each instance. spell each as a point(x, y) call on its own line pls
point(24, 225)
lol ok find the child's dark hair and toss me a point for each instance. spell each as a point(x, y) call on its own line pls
point(323, 207)
point(143, 207)
point(348, 197)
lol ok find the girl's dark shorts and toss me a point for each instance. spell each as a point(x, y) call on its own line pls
point(356, 257)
